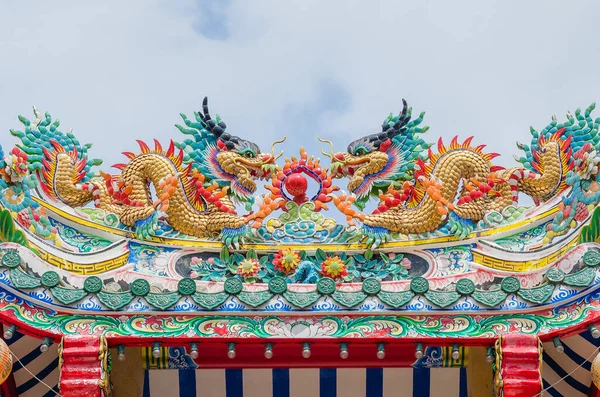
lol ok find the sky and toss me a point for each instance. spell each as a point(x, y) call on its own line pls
point(117, 71)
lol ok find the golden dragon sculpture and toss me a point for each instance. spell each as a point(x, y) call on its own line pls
point(194, 181)
point(420, 190)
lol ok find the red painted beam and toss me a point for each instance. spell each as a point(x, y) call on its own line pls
point(289, 355)
point(324, 354)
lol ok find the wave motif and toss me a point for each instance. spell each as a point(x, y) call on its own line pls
point(232, 305)
point(512, 304)
point(89, 304)
point(185, 305)
point(137, 305)
point(42, 295)
point(562, 293)
point(467, 305)
point(418, 304)
point(325, 304)
point(278, 305)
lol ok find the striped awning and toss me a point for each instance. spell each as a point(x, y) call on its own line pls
point(557, 365)
point(43, 365)
point(311, 382)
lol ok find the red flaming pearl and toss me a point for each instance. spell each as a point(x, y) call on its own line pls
point(296, 185)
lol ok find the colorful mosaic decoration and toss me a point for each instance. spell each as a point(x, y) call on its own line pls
point(182, 242)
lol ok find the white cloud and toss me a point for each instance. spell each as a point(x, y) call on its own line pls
point(117, 71)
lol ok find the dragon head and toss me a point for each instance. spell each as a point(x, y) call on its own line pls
point(223, 157)
point(380, 159)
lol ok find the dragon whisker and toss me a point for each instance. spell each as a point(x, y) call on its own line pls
point(273, 148)
point(330, 155)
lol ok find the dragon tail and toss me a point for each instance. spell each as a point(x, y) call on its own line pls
point(59, 160)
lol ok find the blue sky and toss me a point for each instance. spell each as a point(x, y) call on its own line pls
point(117, 71)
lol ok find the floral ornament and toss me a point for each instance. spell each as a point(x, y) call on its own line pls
point(334, 267)
point(16, 166)
point(406, 263)
point(248, 268)
point(286, 260)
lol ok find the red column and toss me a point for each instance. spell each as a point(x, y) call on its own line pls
point(83, 361)
point(518, 366)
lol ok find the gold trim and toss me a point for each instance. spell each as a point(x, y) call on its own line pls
point(523, 266)
point(80, 268)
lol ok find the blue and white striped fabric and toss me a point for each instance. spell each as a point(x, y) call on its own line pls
point(557, 365)
point(312, 382)
point(43, 365)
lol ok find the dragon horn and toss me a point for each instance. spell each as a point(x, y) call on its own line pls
point(403, 119)
point(273, 148)
point(330, 147)
point(404, 108)
point(213, 127)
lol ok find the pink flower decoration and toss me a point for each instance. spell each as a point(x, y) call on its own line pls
point(406, 263)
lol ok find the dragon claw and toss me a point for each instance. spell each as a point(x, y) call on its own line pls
point(375, 236)
point(233, 237)
point(146, 228)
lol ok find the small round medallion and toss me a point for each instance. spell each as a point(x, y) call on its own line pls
point(371, 286)
point(326, 286)
point(465, 286)
point(233, 285)
point(277, 285)
point(50, 279)
point(510, 285)
point(591, 258)
point(419, 285)
point(92, 284)
point(186, 286)
point(140, 287)
point(555, 275)
point(11, 259)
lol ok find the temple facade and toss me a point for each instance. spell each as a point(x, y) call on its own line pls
point(394, 267)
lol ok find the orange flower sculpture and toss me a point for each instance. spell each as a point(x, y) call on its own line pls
point(248, 268)
point(286, 260)
point(334, 267)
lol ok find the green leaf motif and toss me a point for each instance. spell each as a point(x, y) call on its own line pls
point(320, 255)
point(442, 298)
point(114, 300)
point(349, 299)
point(582, 278)
point(302, 299)
point(210, 301)
point(67, 296)
point(590, 233)
point(224, 256)
point(396, 299)
point(538, 294)
point(254, 299)
point(8, 232)
point(489, 298)
point(20, 279)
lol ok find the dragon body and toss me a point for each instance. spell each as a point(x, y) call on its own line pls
point(194, 183)
point(456, 186)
